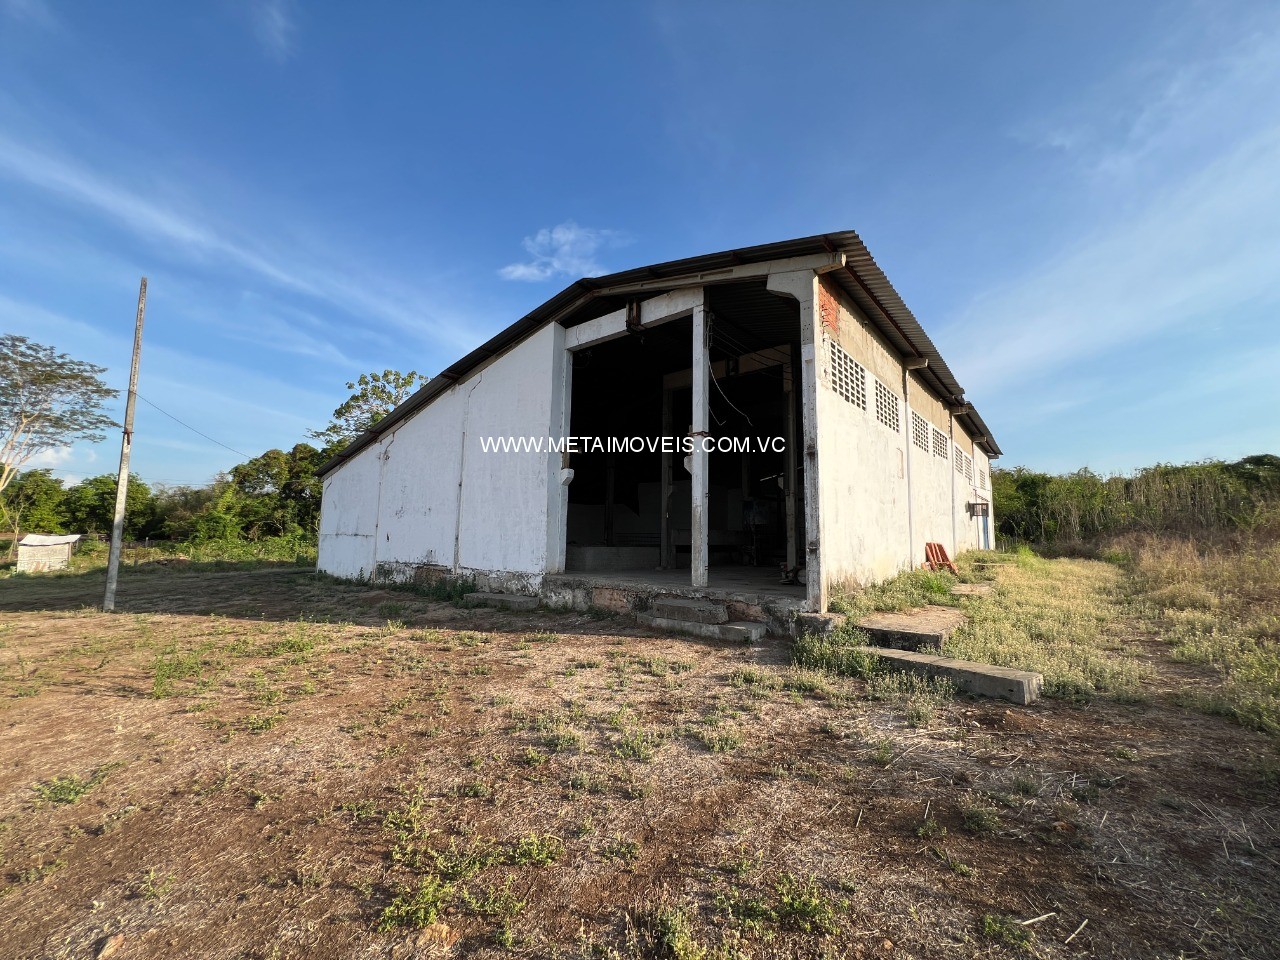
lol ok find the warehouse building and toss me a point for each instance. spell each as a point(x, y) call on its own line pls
point(762, 427)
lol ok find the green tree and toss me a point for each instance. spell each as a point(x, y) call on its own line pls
point(33, 501)
point(376, 395)
point(91, 505)
point(276, 494)
point(47, 400)
point(220, 518)
point(177, 509)
point(280, 492)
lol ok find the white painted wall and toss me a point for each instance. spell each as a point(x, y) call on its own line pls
point(864, 491)
point(866, 533)
point(427, 493)
point(969, 528)
point(930, 489)
point(348, 514)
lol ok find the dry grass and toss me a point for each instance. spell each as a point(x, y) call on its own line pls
point(249, 765)
point(1218, 605)
point(1063, 618)
point(915, 588)
point(1090, 626)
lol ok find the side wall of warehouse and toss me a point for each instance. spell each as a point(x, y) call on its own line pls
point(884, 495)
point(427, 497)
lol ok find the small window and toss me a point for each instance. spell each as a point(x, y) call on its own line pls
point(848, 377)
point(887, 408)
point(968, 468)
point(919, 431)
point(959, 461)
point(939, 444)
point(982, 479)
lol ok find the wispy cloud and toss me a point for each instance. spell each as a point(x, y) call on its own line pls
point(246, 409)
point(1190, 239)
point(203, 383)
point(1169, 108)
point(52, 457)
point(563, 250)
point(179, 231)
point(29, 11)
point(274, 26)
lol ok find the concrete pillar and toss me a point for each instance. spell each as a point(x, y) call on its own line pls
point(699, 540)
point(558, 473)
point(912, 363)
point(665, 557)
point(789, 490)
point(909, 442)
point(801, 286)
point(951, 460)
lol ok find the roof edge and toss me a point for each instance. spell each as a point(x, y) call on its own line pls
point(870, 286)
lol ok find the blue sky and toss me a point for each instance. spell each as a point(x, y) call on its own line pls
point(1080, 201)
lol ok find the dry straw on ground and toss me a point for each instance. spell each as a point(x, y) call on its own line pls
point(269, 764)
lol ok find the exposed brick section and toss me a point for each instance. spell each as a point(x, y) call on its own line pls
point(828, 308)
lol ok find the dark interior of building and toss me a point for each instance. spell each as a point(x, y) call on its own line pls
point(639, 387)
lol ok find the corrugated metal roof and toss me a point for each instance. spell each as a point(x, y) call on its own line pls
point(47, 540)
point(862, 280)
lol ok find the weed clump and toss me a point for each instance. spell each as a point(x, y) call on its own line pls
point(1004, 930)
point(69, 789)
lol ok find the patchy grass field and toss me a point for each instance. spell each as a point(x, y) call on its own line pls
point(271, 764)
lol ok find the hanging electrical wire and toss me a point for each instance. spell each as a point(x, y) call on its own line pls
point(711, 372)
point(736, 346)
point(238, 453)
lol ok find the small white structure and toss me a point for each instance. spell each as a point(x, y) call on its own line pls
point(840, 442)
point(38, 552)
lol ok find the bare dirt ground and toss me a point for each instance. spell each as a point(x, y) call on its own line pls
point(270, 764)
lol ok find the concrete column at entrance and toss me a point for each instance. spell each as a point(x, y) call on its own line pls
point(788, 382)
point(801, 286)
point(665, 496)
point(699, 540)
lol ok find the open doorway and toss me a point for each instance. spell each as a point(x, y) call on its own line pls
point(616, 511)
point(630, 510)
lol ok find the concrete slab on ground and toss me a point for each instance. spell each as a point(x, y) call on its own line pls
point(508, 601)
point(912, 629)
point(980, 679)
point(742, 631)
point(687, 608)
point(822, 624)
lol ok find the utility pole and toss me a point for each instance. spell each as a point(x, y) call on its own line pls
point(126, 444)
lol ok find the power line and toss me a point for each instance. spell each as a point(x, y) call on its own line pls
point(168, 482)
point(238, 453)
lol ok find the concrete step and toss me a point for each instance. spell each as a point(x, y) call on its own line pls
point(972, 589)
point(507, 601)
point(912, 629)
point(687, 608)
point(979, 679)
point(741, 631)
